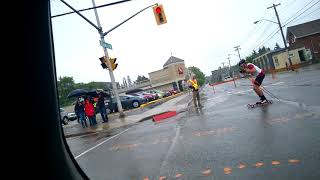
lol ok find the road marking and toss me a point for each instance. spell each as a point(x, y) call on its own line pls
point(215, 132)
point(227, 170)
point(293, 161)
point(277, 83)
point(178, 175)
point(258, 164)
point(162, 177)
point(206, 172)
point(241, 166)
point(85, 152)
point(275, 162)
point(124, 146)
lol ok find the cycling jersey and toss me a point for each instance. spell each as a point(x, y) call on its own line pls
point(257, 72)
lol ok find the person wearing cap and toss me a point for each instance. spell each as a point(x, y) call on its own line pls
point(257, 81)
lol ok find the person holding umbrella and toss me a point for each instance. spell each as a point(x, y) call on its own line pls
point(81, 112)
point(102, 107)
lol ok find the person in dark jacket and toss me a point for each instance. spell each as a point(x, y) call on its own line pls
point(102, 108)
point(81, 111)
point(76, 110)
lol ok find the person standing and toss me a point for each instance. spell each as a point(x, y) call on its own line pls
point(81, 112)
point(102, 108)
point(193, 84)
point(76, 110)
point(89, 109)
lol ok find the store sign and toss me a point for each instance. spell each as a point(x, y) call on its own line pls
point(180, 70)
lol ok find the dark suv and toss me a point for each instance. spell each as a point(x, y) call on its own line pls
point(127, 102)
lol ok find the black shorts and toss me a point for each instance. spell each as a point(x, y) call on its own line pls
point(259, 79)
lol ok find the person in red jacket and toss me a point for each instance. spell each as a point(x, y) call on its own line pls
point(89, 109)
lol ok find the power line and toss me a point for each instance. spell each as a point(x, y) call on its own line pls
point(302, 13)
point(268, 38)
point(287, 5)
point(299, 11)
point(287, 22)
point(309, 13)
point(114, 3)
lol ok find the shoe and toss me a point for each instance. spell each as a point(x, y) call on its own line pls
point(264, 101)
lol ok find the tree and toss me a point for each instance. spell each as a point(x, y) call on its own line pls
point(249, 59)
point(124, 81)
point(65, 86)
point(200, 76)
point(277, 46)
point(141, 79)
point(129, 81)
point(254, 53)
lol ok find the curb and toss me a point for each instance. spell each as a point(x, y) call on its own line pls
point(141, 120)
point(80, 134)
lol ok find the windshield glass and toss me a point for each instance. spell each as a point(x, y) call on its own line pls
point(222, 89)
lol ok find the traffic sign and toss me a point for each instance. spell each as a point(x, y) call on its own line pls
point(106, 45)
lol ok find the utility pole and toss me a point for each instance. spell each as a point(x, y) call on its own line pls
point(234, 82)
point(114, 86)
point(279, 23)
point(222, 64)
point(102, 41)
point(237, 49)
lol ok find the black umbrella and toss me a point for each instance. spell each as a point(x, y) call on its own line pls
point(77, 92)
point(92, 93)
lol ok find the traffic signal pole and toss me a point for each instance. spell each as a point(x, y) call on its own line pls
point(99, 28)
point(114, 86)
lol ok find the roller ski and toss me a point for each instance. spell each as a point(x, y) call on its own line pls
point(260, 104)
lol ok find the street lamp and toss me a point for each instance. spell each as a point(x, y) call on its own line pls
point(264, 20)
point(279, 23)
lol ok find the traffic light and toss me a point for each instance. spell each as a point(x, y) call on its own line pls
point(113, 63)
point(159, 15)
point(103, 62)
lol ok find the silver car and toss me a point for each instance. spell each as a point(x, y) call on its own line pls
point(65, 117)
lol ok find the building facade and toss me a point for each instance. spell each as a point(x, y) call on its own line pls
point(170, 77)
point(305, 35)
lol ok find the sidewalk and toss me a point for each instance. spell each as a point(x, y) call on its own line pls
point(177, 103)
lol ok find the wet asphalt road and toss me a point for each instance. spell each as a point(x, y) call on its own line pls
point(224, 140)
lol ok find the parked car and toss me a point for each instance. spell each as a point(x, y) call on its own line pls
point(158, 92)
point(167, 94)
point(127, 102)
point(66, 117)
point(147, 96)
point(138, 95)
point(174, 92)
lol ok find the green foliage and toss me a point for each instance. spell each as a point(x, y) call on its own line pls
point(200, 76)
point(141, 79)
point(67, 84)
point(277, 46)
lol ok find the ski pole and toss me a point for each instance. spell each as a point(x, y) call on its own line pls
point(266, 91)
point(269, 93)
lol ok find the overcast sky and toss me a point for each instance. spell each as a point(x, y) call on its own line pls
point(202, 33)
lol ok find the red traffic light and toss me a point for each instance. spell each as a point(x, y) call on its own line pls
point(158, 10)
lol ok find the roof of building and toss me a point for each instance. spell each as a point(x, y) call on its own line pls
point(172, 60)
point(305, 29)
